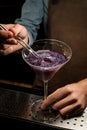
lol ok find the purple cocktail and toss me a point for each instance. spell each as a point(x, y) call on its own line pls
point(48, 63)
point(53, 55)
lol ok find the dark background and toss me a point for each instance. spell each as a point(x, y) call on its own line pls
point(12, 67)
point(9, 10)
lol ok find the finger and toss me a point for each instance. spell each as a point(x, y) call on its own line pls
point(4, 46)
point(5, 34)
point(54, 97)
point(11, 41)
point(70, 109)
point(11, 49)
point(16, 29)
point(74, 113)
point(6, 51)
point(68, 100)
point(7, 43)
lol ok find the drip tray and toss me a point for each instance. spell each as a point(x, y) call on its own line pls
point(17, 104)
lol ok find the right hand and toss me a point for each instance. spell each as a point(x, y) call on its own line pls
point(8, 44)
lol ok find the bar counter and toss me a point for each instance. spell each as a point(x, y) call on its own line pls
point(15, 104)
point(15, 111)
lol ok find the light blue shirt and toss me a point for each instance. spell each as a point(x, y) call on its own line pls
point(33, 13)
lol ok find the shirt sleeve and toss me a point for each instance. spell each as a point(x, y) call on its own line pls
point(31, 17)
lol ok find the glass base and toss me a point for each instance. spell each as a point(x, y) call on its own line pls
point(43, 115)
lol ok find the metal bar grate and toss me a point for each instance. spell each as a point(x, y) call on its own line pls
point(17, 104)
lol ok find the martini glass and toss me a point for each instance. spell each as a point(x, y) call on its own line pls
point(53, 55)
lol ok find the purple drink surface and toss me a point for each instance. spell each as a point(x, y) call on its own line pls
point(48, 59)
point(48, 63)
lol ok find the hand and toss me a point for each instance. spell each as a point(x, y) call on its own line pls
point(68, 100)
point(8, 44)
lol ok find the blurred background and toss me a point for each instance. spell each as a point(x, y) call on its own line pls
point(13, 70)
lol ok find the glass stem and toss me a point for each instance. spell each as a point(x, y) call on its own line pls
point(45, 89)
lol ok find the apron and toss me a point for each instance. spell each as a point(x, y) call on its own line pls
point(67, 21)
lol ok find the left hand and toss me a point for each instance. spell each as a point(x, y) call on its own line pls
point(68, 100)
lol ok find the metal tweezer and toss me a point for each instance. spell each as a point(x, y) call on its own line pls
point(19, 40)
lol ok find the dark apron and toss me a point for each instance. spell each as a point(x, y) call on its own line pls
point(67, 21)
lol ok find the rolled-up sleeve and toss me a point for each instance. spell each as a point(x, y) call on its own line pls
point(31, 17)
